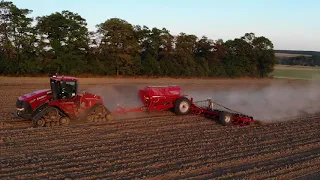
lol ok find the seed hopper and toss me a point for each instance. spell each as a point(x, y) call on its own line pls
point(162, 98)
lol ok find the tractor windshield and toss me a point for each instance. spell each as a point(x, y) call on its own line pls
point(64, 89)
point(68, 89)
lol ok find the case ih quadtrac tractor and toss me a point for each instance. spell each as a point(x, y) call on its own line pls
point(60, 104)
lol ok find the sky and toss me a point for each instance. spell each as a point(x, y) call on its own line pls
point(289, 24)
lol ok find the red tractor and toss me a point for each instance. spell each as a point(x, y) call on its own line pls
point(58, 105)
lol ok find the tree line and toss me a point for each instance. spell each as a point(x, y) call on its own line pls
point(61, 43)
point(305, 58)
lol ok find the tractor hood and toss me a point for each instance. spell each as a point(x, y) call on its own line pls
point(27, 103)
point(35, 95)
point(35, 99)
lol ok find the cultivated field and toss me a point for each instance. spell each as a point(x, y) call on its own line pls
point(296, 72)
point(287, 55)
point(167, 146)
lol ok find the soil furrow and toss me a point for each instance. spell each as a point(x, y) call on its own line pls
point(258, 161)
point(105, 136)
point(203, 158)
point(145, 171)
point(293, 170)
point(145, 162)
point(145, 146)
point(273, 167)
point(56, 132)
point(207, 171)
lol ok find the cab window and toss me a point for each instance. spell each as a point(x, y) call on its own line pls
point(68, 89)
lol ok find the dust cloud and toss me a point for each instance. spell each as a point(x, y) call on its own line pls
point(112, 95)
point(276, 102)
point(127, 96)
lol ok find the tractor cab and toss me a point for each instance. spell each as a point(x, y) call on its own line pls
point(63, 87)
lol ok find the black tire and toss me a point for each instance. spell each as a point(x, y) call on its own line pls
point(182, 106)
point(225, 118)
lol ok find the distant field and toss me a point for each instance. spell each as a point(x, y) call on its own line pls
point(296, 72)
point(297, 67)
point(290, 55)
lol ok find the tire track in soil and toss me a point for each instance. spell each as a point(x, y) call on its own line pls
point(138, 123)
point(114, 129)
point(288, 161)
point(269, 173)
point(86, 160)
point(59, 137)
point(56, 132)
point(117, 122)
point(208, 171)
point(151, 171)
point(192, 160)
point(266, 174)
point(291, 172)
point(80, 131)
point(307, 175)
point(12, 125)
point(67, 135)
point(50, 145)
point(146, 174)
point(151, 122)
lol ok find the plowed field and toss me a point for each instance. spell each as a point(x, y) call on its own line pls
point(161, 147)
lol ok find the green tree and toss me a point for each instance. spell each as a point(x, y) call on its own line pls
point(204, 54)
point(142, 35)
point(155, 44)
point(65, 36)
point(216, 61)
point(264, 53)
point(119, 39)
point(17, 38)
point(239, 60)
point(170, 66)
point(186, 44)
point(185, 49)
